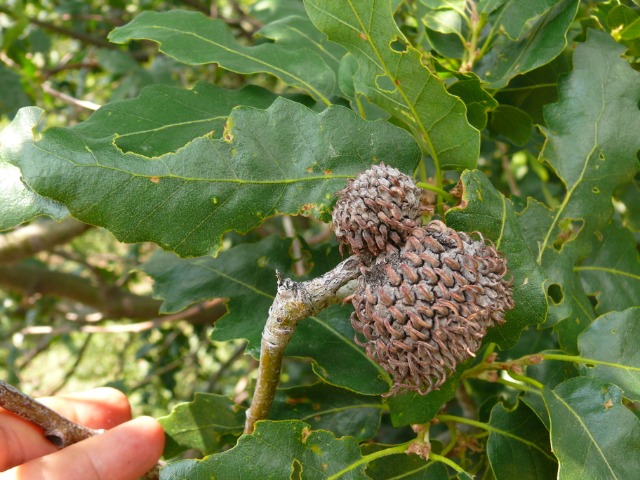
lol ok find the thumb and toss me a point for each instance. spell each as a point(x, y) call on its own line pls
point(125, 452)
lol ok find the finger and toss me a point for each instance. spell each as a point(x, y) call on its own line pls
point(124, 453)
point(97, 408)
point(20, 441)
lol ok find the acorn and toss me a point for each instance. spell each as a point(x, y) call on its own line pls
point(423, 307)
point(377, 210)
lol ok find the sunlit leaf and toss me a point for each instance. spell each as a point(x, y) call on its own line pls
point(18, 203)
point(163, 118)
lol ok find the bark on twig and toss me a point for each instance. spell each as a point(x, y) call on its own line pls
point(59, 430)
point(294, 301)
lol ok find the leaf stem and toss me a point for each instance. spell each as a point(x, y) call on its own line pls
point(578, 359)
point(439, 458)
point(428, 186)
point(402, 448)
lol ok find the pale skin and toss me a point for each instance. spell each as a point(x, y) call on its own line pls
point(126, 451)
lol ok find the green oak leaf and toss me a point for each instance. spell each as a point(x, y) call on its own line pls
point(163, 118)
point(273, 452)
point(612, 271)
point(297, 31)
point(391, 75)
point(487, 211)
point(591, 135)
point(477, 100)
point(543, 41)
point(285, 159)
point(518, 445)
point(592, 145)
point(592, 434)
point(613, 338)
point(515, 17)
point(512, 123)
point(246, 275)
point(207, 423)
point(325, 407)
point(195, 39)
point(18, 203)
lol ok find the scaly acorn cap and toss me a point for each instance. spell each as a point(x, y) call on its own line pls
point(377, 210)
point(423, 309)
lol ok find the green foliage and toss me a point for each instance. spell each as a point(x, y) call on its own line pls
point(223, 135)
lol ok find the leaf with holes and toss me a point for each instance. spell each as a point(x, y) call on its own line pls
point(193, 38)
point(286, 159)
point(391, 74)
point(592, 137)
point(612, 271)
point(274, 451)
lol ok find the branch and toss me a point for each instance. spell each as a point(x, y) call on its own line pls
point(59, 430)
point(294, 301)
point(112, 302)
point(214, 309)
point(36, 237)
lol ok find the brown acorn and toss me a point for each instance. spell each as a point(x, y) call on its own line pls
point(424, 307)
point(377, 210)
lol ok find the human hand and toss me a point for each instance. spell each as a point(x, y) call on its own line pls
point(128, 450)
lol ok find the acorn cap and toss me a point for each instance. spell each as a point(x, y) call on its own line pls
point(377, 210)
point(424, 308)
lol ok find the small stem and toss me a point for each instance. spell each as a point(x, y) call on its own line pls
point(578, 359)
point(402, 448)
point(439, 458)
point(528, 380)
point(428, 186)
